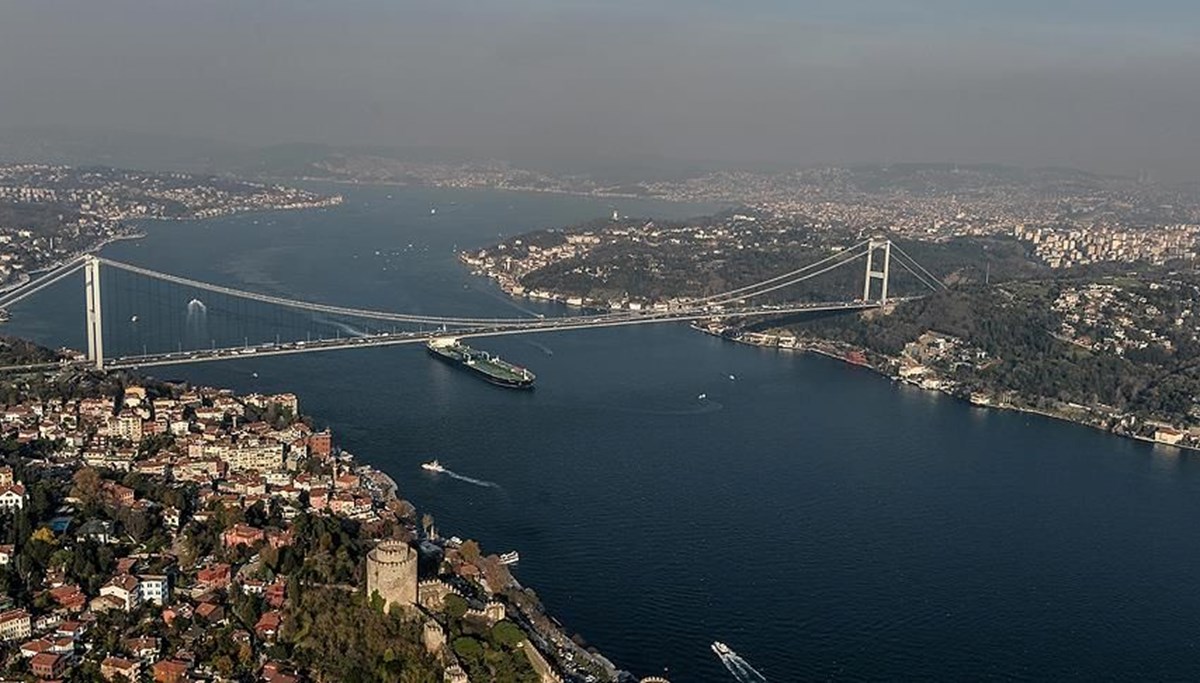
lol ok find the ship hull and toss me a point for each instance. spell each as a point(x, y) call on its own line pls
point(445, 357)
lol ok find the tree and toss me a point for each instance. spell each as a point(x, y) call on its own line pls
point(224, 664)
point(468, 648)
point(137, 523)
point(507, 634)
point(342, 639)
point(470, 551)
point(455, 606)
point(86, 487)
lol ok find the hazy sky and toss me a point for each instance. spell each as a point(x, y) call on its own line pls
point(1102, 84)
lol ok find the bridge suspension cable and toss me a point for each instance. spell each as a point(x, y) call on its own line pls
point(730, 293)
point(34, 286)
point(927, 279)
point(731, 303)
point(934, 286)
point(328, 308)
point(809, 271)
point(793, 281)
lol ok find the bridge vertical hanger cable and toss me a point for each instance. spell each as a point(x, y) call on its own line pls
point(234, 322)
point(34, 286)
point(934, 286)
point(317, 307)
point(913, 268)
point(784, 276)
point(793, 281)
point(916, 263)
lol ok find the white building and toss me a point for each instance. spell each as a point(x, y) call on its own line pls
point(13, 497)
point(124, 588)
point(263, 456)
point(155, 588)
point(15, 624)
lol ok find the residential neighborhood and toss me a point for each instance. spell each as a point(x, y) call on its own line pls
point(173, 533)
point(49, 213)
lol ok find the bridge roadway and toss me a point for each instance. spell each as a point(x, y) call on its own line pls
point(541, 325)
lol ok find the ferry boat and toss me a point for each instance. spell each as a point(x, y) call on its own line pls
point(510, 558)
point(491, 368)
point(433, 466)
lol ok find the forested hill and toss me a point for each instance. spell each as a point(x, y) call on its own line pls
point(1115, 337)
point(1128, 344)
point(16, 351)
point(649, 260)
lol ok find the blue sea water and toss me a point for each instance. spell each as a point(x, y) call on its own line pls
point(824, 522)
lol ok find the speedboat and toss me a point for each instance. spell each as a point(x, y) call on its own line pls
point(721, 649)
point(433, 466)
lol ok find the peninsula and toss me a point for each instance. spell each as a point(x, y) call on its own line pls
point(176, 532)
point(1099, 327)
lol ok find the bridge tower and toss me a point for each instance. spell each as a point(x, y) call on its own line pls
point(95, 330)
point(884, 245)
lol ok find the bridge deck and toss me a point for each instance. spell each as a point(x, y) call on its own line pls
point(540, 326)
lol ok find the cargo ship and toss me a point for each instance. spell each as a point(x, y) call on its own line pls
point(491, 368)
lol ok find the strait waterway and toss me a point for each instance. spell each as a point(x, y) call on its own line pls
point(824, 522)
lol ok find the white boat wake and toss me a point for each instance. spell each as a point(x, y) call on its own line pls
point(737, 666)
point(348, 329)
point(470, 480)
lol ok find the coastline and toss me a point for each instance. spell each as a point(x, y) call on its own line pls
point(26, 277)
point(549, 644)
point(723, 202)
point(812, 347)
point(135, 234)
point(859, 357)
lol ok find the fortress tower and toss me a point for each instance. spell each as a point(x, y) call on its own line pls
point(392, 572)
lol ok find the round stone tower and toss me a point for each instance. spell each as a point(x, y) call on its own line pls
point(392, 572)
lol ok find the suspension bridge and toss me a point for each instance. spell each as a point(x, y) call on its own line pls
point(204, 343)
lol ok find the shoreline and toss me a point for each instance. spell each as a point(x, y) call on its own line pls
point(26, 277)
point(727, 203)
point(1027, 410)
point(137, 234)
point(813, 346)
point(545, 634)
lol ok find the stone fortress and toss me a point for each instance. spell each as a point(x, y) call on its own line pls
point(392, 573)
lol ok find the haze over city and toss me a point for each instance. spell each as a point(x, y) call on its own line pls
point(599, 341)
point(1103, 85)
